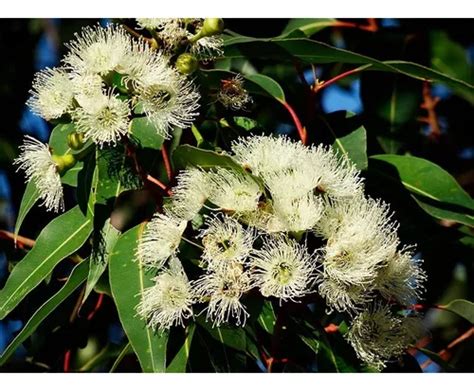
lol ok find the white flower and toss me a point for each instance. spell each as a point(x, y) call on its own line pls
point(225, 241)
point(52, 93)
point(233, 191)
point(401, 279)
point(283, 268)
point(160, 240)
point(224, 288)
point(36, 161)
point(208, 48)
point(339, 178)
point(189, 195)
point(104, 120)
point(88, 91)
point(295, 215)
point(343, 297)
point(169, 301)
point(378, 336)
point(98, 50)
point(151, 23)
point(232, 93)
point(360, 238)
point(266, 154)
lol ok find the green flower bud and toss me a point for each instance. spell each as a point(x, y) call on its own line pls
point(212, 26)
point(75, 140)
point(64, 162)
point(187, 63)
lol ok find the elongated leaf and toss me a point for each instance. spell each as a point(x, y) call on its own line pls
point(461, 307)
point(179, 362)
point(59, 239)
point(30, 196)
point(100, 256)
point(128, 280)
point(310, 51)
point(350, 138)
point(427, 181)
point(185, 155)
point(268, 86)
point(77, 277)
point(307, 26)
point(145, 134)
point(267, 317)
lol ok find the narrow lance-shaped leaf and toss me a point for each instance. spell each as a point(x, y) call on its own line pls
point(179, 362)
point(462, 308)
point(59, 239)
point(128, 280)
point(30, 196)
point(77, 277)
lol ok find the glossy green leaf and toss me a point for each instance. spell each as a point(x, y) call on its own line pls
point(427, 181)
point(179, 362)
point(107, 238)
point(307, 25)
point(128, 280)
point(145, 133)
point(267, 86)
point(30, 196)
point(462, 308)
point(310, 51)
point(59, 239)
point(350, 138)
point(186, 155)
point(267, 317)
point(245, 123)
point(77, 277)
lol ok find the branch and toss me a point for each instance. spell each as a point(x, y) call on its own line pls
point(371, 25)
point(21, 240)
point(301, 129)
point(166, 161)
point(429, 104)
point(320, 85)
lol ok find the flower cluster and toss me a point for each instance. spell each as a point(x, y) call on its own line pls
point(288, 221)
point(107, 78)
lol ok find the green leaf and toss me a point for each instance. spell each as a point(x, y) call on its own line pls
point(462, 308)
point(128, 280)
point(450, 57)
point(265, 85)
point(107, 238)
point(179, 362)
point(245, 123)
point(307, 26)
point(59, 239)
point(186, 155)
point(350, 138)
point(427, 182)
point(267, 318)
point(30, 196)
point(77, 277)
point(310, 51)
point(145, 133)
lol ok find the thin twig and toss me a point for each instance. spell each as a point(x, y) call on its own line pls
point(23, 241)
point(301, 129)
point(429, 104)
point(166, 161)
point(370, 26)
point(318, 86)
point(160, 184)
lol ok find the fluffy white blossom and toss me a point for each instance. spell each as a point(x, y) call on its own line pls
point(283, 268)
point(223, 288)
point(105, 119)
point(401, 278)
point(266, 154)
point(160, 240)
point(378, 336)
point(360, 238)
point(233, 191)
point(169, 301)
point(151, 23)
point(189, 195)
point(52, 93)
point(338, 177)
point(37, 162)
point(225, 241)
point(88, 91)
point(98, 50)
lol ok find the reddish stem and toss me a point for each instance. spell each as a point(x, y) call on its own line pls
point(301, 129)
point(320, 86)
point(166, 161)
point(21, 241)
point(97, 306)
point(331, 328)
point(370, 26)
point(429, 104)
point(151, 179)
point(67, 361)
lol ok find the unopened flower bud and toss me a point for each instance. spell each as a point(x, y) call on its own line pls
point(212, 26)
point(187, 63)
point(75, 140)
point(64, 162)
